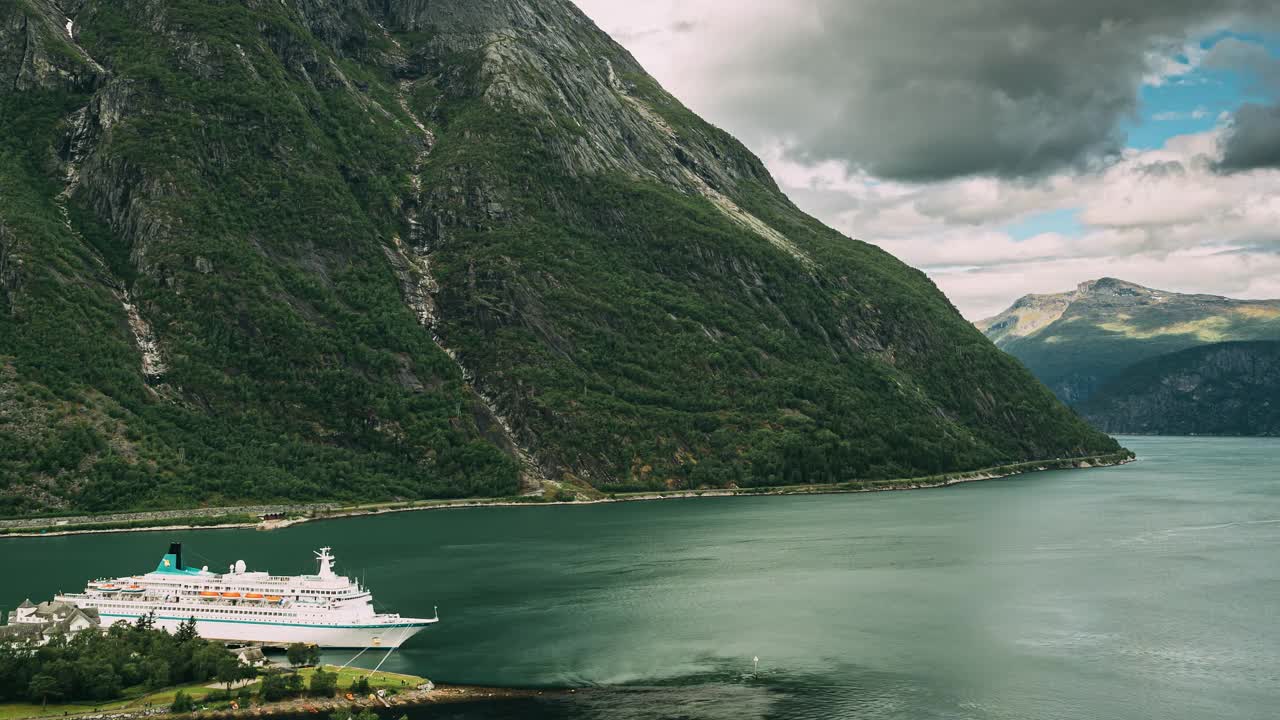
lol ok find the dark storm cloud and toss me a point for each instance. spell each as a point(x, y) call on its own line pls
point(1248, 57)
point(1252, 139)
point(927, 90)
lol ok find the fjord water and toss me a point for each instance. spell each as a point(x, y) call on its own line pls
point(1145, 591)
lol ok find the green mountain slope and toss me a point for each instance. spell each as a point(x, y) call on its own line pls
point(306, 249)
point(1221, 389)
point(1075, 342)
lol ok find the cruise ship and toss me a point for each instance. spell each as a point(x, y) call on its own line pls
point(239, 606)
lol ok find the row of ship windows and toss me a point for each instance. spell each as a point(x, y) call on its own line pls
point(302, 592)
point(110, 606)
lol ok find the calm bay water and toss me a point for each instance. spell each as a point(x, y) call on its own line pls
point(1145, 591)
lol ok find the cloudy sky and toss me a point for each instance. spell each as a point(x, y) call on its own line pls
point(1004, 146)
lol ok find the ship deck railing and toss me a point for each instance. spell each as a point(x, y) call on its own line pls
point(269, 580)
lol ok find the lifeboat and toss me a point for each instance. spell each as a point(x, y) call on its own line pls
point(274, 599)
point(108, 587)
point(253, 596)
point(231, 595)
point(132, 589)
point(208, 594)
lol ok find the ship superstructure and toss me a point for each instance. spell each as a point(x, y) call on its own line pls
point(325, 609)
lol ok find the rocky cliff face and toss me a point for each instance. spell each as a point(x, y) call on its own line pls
point(400, 249)
point(10, 270)
point(1219, 389)
point(38, 51)
point(1076, 341)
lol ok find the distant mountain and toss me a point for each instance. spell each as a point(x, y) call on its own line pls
point(1221, 389)
point(362, 250)
point(1077, 341)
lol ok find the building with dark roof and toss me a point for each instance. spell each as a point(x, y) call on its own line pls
point(41, 623)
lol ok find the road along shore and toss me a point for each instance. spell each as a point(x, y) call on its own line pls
point(171, 520)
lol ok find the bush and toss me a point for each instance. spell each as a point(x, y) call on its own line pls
point(278, 686)
point(296, 654)
point(324, 684)
point(182, 703)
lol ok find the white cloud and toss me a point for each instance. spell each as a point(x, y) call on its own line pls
point(1169, 65)
point(1243, 275)
point(1162, 217)
point(1200, 113)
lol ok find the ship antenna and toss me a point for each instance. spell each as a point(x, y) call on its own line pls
point(326, 562)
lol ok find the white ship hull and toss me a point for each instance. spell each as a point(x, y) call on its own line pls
point(262, 633)
point(325, 609)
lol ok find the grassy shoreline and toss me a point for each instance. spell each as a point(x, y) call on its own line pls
point(403, 691)
point(199, 522)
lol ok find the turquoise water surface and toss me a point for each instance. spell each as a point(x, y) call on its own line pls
point(1145, 591)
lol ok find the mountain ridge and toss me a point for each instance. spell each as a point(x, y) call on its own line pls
point(428, 249)
point(1075, 341)
point(1230, 388)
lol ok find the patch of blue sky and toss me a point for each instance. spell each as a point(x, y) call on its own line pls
point(1182, 106)
point(1193, 102)
point(1064, 221)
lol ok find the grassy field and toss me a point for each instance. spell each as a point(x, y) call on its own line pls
point(19, 711)
point(198, 691)
point(378, 680)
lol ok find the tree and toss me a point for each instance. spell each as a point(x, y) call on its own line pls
point(324, 684)
point(278, 685)
point(297, 654)
point(98, 666)
point(182, 703)
point(97, 680)
point(44, 687)
point(229, 670)
point(273, 687)
point(145, 622)
point(156, 671)
point(313, 654)
point(186, 631)
point(15, 671)
point(206, 660)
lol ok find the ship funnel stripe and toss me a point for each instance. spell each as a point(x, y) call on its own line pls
point(171, 563)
